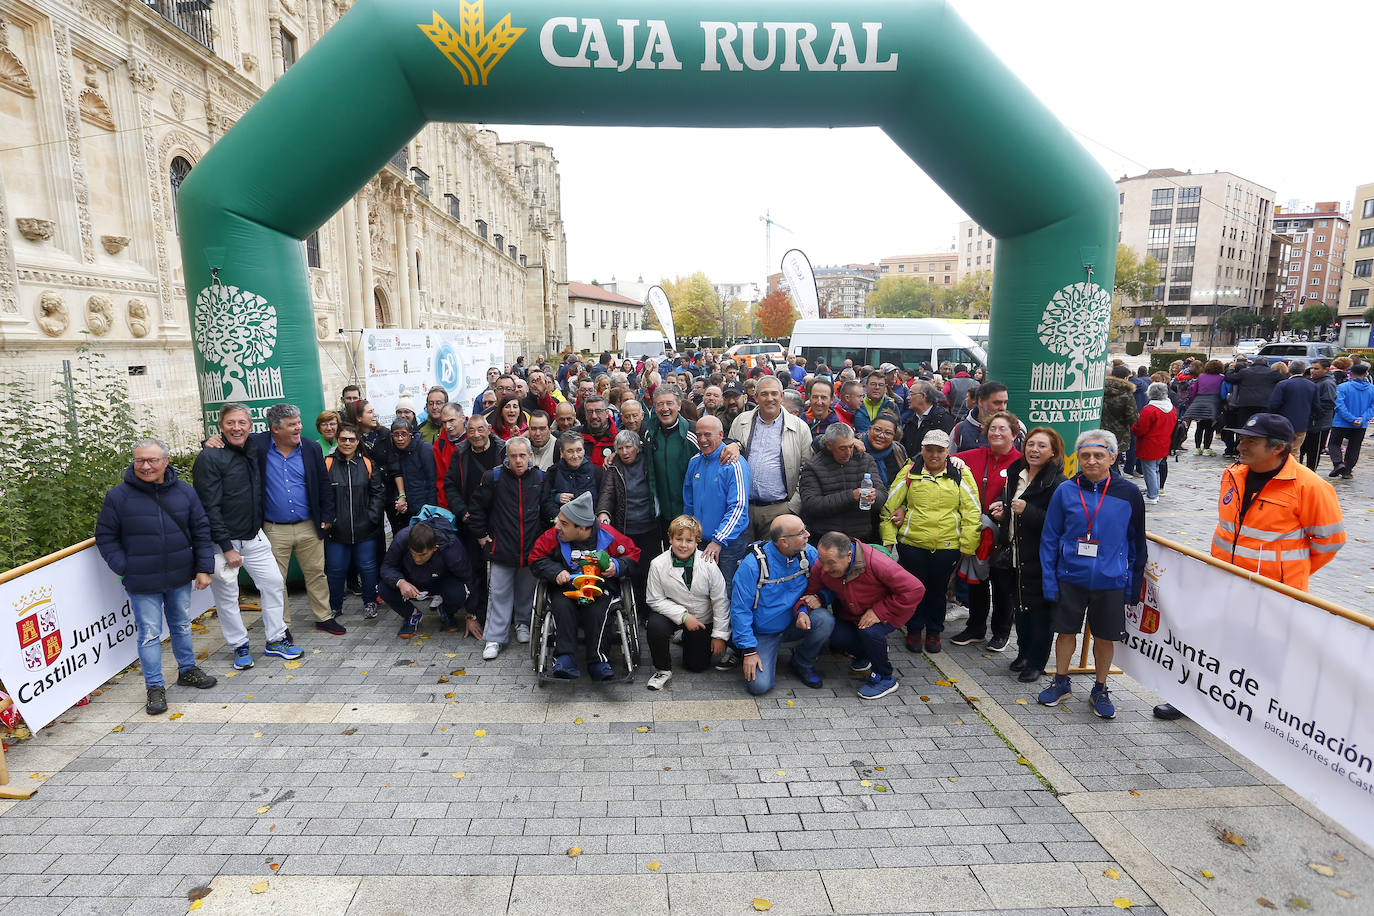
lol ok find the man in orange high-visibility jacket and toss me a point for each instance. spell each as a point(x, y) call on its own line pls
point(1275, 517)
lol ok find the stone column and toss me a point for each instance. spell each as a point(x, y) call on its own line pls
point(412, 273)
point(353, 308)
point(274, 39)
point(406, 316)
point(368, 292)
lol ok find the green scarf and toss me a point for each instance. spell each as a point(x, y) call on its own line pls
point(686, 567)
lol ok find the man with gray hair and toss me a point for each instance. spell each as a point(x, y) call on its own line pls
point(1093, 554)
point(1296, 400)
point(152, 532)
point(832, 489)
point(228, 480)
point(923, 401)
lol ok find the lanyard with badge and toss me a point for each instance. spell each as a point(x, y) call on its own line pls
point(1087, 547)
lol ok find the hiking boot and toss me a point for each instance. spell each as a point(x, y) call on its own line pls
point(282, 649)
point(407, 630)
point(1101, 702)
point(913, 642)
point(243, 657)
point(997, 644)
point(1054, 694)
point(968, 637)
point(194, 677)
point(932, 643)
point(660, 679)
point(157, 701)
point(877, 687)
point(329, 626)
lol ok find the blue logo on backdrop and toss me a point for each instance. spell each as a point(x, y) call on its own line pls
point(448, 367)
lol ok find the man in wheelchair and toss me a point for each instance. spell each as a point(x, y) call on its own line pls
point(572, 555)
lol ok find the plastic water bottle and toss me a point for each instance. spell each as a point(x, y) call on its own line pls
point(867, 492)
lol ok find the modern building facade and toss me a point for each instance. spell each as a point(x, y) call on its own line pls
point(107, 105)
point(1356, 297)
point(975, 247)
point(1316, 259)
point(1210, 234)
point(842, 290)
point(598, 318)
point(940, 268)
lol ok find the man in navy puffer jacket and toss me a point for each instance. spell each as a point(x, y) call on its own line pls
point(153, 533)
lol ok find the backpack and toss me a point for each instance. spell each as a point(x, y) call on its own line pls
point(329, 463)
point(761, 556)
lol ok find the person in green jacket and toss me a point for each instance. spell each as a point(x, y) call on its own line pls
point(669, 445)
point(933, 516)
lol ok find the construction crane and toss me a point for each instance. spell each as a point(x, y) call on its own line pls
point(768, 224)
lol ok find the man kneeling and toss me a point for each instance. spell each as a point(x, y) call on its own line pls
point(871, 596)
point(576, 540)
point(425, 558)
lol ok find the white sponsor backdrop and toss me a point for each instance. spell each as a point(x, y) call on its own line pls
point(1286, 683)
point(401, 362)
point(68, 630)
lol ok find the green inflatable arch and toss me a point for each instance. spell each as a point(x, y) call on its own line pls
point(388, 67)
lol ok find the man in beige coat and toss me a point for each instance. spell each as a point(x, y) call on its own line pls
point(777, 445)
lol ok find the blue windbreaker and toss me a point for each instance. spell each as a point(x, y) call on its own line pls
point(1118, 527)
point(1354, 401)
point(718, 496)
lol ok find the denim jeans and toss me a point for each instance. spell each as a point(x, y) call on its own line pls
point(1150, 468)
point(809, 645)
point(729, 558)
point(148, 610)
point(866, 644)
point(337, 560)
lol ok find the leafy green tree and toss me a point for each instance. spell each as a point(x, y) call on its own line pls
point(971, 296)
point(1368, 315)
point(905, 297)
point(1135, 279)
point(1238, 320)
point(1313, 316)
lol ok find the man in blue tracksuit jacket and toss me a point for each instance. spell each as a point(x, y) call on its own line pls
point(717, 495)
point(766, 607)
point(1092, 554)
point(1354, 410)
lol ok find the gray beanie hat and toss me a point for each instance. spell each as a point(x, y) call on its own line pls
point(579, 511)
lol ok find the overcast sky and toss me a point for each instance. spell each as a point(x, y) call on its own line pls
point(1263, 89)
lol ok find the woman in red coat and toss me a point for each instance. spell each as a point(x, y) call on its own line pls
point(1153, 432)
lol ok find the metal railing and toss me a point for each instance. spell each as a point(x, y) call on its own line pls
point(191, 16)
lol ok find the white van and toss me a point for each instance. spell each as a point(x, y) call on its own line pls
point(905, 342)
point(639, 344)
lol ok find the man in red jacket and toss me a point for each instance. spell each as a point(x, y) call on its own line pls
point(870, 595)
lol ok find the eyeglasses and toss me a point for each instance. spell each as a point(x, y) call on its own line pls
point(800, 534)
point(148, 462)
point(875, 431)
point(343, 439)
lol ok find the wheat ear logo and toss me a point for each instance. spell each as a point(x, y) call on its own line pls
point(471, 49)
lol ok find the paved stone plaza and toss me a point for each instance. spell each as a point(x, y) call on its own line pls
point(390, 776)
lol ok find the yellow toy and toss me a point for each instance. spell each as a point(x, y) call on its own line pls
point(586, 579)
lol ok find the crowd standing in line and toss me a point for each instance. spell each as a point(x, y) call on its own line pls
point(818, 507)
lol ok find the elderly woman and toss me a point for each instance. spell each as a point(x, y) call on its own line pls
point(570, 476)
point(627, 504)
point(1154, 432)
point(1031, 483)
point(881, 443)
point(327, 425)
point(933, 519)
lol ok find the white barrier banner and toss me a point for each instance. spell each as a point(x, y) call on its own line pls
point(1283, 682)
point(72, 631)
point(410, 362)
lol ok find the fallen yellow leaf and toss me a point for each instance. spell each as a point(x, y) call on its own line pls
point(248, 697)
point(195, 905)
point(790, 703)
point(971, 699)
point(1324, 870)
point(442, 680)
point(1023, 761)
point(1121, 903)
point(782, 772)
point(577, 721)
point(1206, 874)
point(257, 734)
point(879, 769)
point(275, 866)
point(449, 696)
point(1336, 856)
point(450, 655)
point(176, 715)
point(1342, 892)
point(1235, 839)
point(925, 699)
point(1299, 903)
point(1112, 873)
point(480, 733)
point(117, 728)
point(1020, 701)
point(958, 721)
point(1134, 792)
point(866, 783)
point(953, 778)
point(574, 852)
point(231, 674)
point(654, 866)
point(424, 636)
point(292, 664)
point(943, 683)
point(762, 905)
point(290, 676)
point(1266, 903)
point(644, 728)
point(259, 888)
point(264, 809)
point(881, 788)
point(364, 671)
point(460, 774)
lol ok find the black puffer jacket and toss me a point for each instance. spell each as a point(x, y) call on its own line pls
point(465, 470)
point(229, 483)
point(154, 550)
point(506, 509)
point(358, 496)
point(450, 561)
point(1025, 542)
point(585, 478)
point(827, 497)
point(415, 466)
point(1251, 386)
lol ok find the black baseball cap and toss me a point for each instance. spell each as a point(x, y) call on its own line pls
point(1266, 426)
point(732, 388)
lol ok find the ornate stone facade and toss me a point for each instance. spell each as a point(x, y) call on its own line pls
point(101, 101)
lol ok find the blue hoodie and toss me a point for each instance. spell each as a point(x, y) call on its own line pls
point(1119, 529)
point(1354, 402)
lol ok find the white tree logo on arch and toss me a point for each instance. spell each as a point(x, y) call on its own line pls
point(236, 329)
point(1074, 325)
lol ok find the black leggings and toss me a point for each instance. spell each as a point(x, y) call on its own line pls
point(1313, 446)
point(1202, 435)
point(696, 644)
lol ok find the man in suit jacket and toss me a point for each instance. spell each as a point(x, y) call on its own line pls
point(926, 414)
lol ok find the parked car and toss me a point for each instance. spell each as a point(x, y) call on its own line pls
point(758, 354)
point(1283, 352)
point(1249, 346)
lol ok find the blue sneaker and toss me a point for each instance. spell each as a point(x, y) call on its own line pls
point(243, 657)
point(565, 667)
point(1054, 694)
point(877, 686)
point(416, 615)
point(860, 668)
point(601, 671)
point(1101, 702)
point(282, 649)
point(806, 675)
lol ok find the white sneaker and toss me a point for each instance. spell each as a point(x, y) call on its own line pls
point(491, 651)
point(522, 633)
point(1149, 502)
point(659, 679)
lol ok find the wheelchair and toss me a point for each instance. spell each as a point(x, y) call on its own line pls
point(622, 619)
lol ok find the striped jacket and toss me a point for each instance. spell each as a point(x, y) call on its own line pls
point(718, 496)
point(1292, 528)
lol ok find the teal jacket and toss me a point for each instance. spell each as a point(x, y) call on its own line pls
point(668, 453)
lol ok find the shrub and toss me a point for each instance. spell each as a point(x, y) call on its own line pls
point(1160, 360)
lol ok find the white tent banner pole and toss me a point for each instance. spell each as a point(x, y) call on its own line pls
point(1284, 682)
point(801, 283)
point(658, 300)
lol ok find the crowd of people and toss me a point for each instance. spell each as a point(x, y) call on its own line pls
point(745, 506)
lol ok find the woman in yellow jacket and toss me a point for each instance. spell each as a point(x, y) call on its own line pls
point(933, 516)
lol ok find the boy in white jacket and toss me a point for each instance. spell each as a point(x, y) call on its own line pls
point(686, 593)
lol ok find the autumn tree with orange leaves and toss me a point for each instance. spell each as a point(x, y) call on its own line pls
point(776, 314)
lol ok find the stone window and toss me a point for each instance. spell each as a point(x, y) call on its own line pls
point(180, 168)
